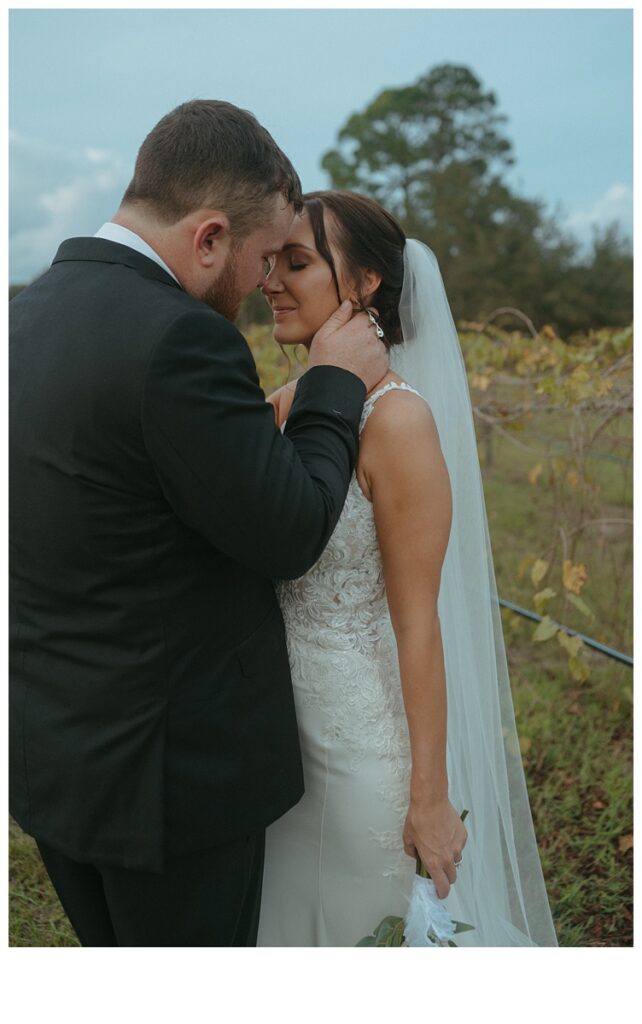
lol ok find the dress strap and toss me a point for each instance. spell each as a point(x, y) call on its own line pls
point(369, 403)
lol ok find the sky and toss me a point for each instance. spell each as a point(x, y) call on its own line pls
point(85, 87)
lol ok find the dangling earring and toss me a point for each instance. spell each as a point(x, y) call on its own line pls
point(375, 323)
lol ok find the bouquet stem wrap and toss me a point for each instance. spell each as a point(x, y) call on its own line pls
point(427, 922)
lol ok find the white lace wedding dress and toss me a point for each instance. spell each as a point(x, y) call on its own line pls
point(335, 864)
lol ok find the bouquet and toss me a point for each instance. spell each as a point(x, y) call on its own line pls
point(427, 922)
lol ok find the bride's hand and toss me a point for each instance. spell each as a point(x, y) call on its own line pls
point(435, 832)
point(282, 400)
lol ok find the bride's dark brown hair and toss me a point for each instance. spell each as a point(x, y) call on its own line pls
point(369, 239)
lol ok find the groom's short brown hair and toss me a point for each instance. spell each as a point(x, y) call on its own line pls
point(209, 153)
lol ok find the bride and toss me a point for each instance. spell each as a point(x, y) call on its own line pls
point(395, 642)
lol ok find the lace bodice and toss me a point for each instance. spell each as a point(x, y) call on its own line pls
point(340, 639)
point(340, 604)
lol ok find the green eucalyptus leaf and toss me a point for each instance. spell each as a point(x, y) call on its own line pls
point(461, 926)
point(389, 922)
point(384, 931)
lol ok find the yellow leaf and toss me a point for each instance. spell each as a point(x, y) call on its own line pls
point(573, 478)
point(524, 564)
point(542, 597)
point(480, 381)
point(574, 576)
point(525, 744)
point(546, 629)
point(538, 572)
point(625, 843)
point(579, 669)
point(572, 644)
point(548, 332)
point(535, 473)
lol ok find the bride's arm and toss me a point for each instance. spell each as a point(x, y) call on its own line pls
point(408, 481)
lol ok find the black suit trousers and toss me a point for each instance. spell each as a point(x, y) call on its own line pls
point(208, 898)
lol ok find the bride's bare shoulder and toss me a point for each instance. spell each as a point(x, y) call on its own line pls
point(399, 439)
point(399, 414)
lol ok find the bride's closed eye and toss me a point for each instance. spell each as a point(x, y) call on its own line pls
point(295, 259)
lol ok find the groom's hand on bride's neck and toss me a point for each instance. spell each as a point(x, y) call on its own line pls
point(351, 343)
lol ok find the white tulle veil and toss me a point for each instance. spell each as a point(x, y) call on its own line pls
point(500, 888)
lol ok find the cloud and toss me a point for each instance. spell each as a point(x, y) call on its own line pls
point(55, 193)
point(615, 205)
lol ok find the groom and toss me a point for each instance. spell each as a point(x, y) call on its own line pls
point(153, 503)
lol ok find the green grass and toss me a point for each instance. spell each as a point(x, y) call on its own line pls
point(577, 757)
point(35, 915)
point(576, 738)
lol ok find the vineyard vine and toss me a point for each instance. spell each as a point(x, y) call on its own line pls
point(565, 402)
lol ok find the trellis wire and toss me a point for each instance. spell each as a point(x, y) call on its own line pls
point(610, 652)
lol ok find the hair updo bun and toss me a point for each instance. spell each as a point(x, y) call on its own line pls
point(369, 239)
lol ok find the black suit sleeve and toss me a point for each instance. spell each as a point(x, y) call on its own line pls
point(268, 500)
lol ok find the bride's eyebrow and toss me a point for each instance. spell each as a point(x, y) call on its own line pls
point(296, 245)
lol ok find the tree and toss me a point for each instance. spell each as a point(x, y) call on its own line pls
point(401, 144)
point(435, 154)
point(610, 278)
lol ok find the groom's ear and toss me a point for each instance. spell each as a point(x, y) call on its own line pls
point(212, 239)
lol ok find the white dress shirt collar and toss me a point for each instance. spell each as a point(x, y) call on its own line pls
point(117, 233)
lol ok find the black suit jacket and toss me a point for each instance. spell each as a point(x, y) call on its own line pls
point(152, 503)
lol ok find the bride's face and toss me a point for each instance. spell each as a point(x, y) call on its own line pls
point(300, 287)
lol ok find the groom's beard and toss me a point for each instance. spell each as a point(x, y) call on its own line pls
point(223, 296)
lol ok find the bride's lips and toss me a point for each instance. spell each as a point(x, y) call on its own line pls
point(280, 311)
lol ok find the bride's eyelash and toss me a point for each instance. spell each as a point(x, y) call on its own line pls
point(298, 266)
